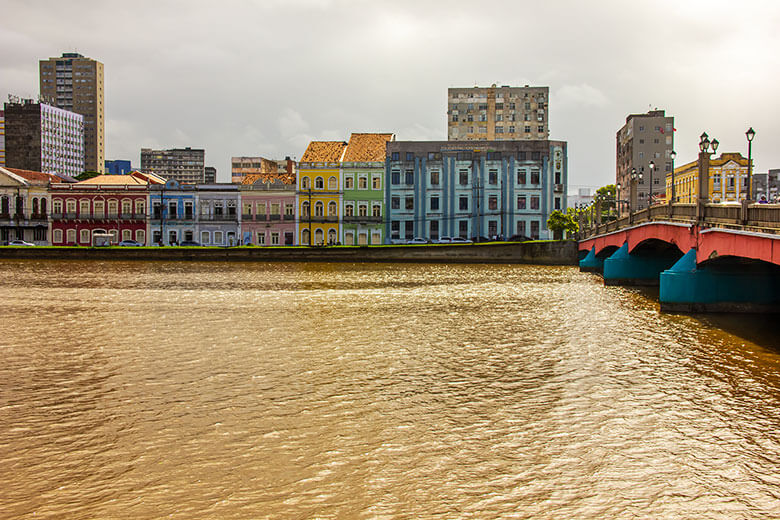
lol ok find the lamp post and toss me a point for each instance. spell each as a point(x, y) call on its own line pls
point(650, 193)
point(750, 134)
point(617, 198)
point(636, 176)
point(704, 172)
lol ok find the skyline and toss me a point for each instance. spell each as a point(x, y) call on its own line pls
point(200, 78)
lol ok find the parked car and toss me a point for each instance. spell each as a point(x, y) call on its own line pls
point(19, 243)
point(190, 243)
point(418, 240)
point(443, 240)
point(460, 240)
point(519, 238)
point(129, 243)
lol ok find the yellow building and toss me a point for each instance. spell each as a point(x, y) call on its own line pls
point(319, 192)
point(727, 180)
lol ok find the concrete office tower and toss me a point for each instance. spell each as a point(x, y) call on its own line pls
point(241, 167)
point(43, 138)
point(498, 113)
point(75, 83)
point(185, 165)
point(210, 175)
point(644, 138)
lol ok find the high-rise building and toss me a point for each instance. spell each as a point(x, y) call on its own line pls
point(645, 138)
point(75, 83)
point(498, 113)
point(2, 138)
point(43, 138)
point(210, 175)
point(186, 165)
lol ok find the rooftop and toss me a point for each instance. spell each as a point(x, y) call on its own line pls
point(367, 147)
point(324, 151)
point(36, 178)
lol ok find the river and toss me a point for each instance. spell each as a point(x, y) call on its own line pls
point(228, 390)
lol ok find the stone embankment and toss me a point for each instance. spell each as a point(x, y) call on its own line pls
point(539, 252)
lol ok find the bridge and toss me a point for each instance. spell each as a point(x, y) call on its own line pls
point(705, 257)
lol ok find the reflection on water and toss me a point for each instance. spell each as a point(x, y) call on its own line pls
point(185, 390)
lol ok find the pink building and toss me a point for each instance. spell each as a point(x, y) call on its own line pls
point(268, 210)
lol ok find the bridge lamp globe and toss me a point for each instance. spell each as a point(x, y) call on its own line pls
point(672, 155)
point(704, 144)
point(715, 144)
point(750, 134)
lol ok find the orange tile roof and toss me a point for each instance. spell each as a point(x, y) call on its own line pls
point(367, 147)
point(34, 177)
point(268, 178)
point(324, 151)
point(115, 179)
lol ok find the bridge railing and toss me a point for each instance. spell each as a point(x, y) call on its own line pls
point(755, 217)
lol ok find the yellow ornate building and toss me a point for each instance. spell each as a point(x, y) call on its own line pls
point(727, 180)
point(319, 192)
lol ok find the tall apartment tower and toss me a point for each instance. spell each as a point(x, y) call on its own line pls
point(75, 83)
point(43, 138)
point(498, 113)
point(2, 138)
point(186, 165)
point(644, 138)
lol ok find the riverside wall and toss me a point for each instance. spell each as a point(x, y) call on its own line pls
point(540, 253)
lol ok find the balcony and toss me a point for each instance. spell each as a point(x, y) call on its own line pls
point(558, 188)
point(289, 216)
point(274, 216)
point(362, 219)
point(219, 218)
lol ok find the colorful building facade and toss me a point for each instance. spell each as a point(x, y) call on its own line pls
point(268, 210)
point(319, 195)
point(25, 205)
point(362, 173)
point(218, 218)
point(172, 218)
point(473, 190)
point(727, 180)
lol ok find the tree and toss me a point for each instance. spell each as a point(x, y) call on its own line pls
point(86, 175)
point(608, 197)
point(559, 222)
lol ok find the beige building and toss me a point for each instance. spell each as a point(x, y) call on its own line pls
point(75, 83)
point(241, 167)
point(498, 113)
point(185, 165)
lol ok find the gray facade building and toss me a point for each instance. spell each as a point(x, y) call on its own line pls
point(498, 113)
point(185, 165)
point(210, 175)
point(645, 138)
point(766, 186)
point(75, 83)
point(459, 189)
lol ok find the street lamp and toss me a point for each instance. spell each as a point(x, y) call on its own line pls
point(650, 195)
point(750, 134)
point(617, 198)
point(672, 156)
point(636, 176)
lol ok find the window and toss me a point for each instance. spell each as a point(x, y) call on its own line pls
point(409, 229)
point(434, 230)
point(362, 183)
point(274, 238)
point(127, 208)
point(172, 209)
point(127, 234)
point(409, 156)
point(434, 178)
point(288, 209)
point(409, 203)
point(463, 177)
point(463, 204)
point(349, 210)
point(434, 203)
point(260, 208)
point(395, 203)
point(527, 129)
point(276, 208)
point(363, 210)
point(535, 229)
point(395, 156)
point(319, 183)
point(521, 227)
point(112, 208)
point(493, 177)
point(493, 202)
point(84, 208)
point(57, 236)
point(261, 238)
point(395, 229)
point(534, 202)
point(246, 210)
point(56, 206)
point(557, 203)
point(492, 228)
point(395, 177)
point(521, 202)
point(376, 210)
point(521, 176)
point(534, 176)
point(84, 236)
point(349, 182)
point(463, 228)
point(305, 183)
point(218, 240)
point(349, 238)
point(98, 209)
point(535, 156)
point(218, 210)
point(140, 208)
point(332, 209)
point(140, 236)
point(376, 182)
point(410, 177)
point(333, 184)
point(71, 236)
point(540, 128)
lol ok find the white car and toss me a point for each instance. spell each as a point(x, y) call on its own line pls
point(443, 240)
point(20, 243)
point(418, 240)
point(460, 240)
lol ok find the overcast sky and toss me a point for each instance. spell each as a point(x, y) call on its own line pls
point(265, 77)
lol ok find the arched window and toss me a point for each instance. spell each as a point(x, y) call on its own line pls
point(112, 208)
point(35, 206)
point(84, 209)
point(331, 236)
point(318, 237)
point(84, 239)
point(363, 210)
point(319, 183)
point(19, 205)
point(333, 184)
point(43, 207)
point(305, 209)
point(127, 207)
point(71, 233)
point(305, 237)
point(349, 210)
point(99, 209)
point(332, 209)
point(305, 183)
point(5, 205)
point(318, 209)
point(56, 236)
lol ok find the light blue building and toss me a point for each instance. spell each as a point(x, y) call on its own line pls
point(473, 189)
point(173, 217)
point(118, 167)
